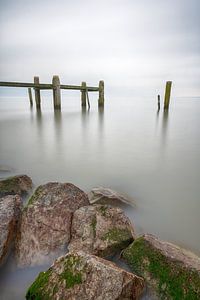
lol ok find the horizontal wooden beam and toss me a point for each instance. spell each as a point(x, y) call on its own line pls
point(44, 86)
point(27, 85)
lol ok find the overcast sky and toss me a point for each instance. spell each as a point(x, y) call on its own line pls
point(136, 44)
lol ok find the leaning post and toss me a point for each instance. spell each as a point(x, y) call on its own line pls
point(83, 94)
point(30, 97)
point(101, 93)
point(56, 92)
point(167, 94)
point(37, 93)
point(158, 102)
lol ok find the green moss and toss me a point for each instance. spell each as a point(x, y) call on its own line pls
point(45, 287)
point(71, 279)
point(35, 292)
point(93, 225)
point(170, 279)
point(34, 196)
point(73, 271)
point(9, 185)
point(117, 235)
point(103, 210)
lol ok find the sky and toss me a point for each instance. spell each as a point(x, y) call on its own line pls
point(133, 45)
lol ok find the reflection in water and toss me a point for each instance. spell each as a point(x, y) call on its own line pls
point(58, 124)
point(101, 122)
point(165, 124)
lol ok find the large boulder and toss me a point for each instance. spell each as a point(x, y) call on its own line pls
point(101, 230)
point(170, 271)
point(20, 184)
point(82, 276)
point(46, 223)
point(101, 195)
point(10, 210)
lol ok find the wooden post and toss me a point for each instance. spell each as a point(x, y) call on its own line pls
point(101, 93)
point(37, 93)
point(30, 96)
point(83, 94)
point(158, 102)
point(56, 92)
point(167, 94)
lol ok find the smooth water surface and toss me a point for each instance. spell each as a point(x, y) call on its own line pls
point(151, 156)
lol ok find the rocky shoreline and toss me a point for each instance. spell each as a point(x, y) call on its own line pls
point(80, 233)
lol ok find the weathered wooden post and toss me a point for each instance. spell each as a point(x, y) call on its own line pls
point(83, 94)
point(167, 94)
point(37, 93)
point(158, 102)
point(101, 93)
point(30, 96)
point(56, 92)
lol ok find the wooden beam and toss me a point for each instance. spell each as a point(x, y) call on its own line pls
point(46, 86)
point(40, 86)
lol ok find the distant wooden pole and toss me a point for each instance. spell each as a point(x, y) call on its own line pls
point(56, 92)
point(30, 96)
point(167, 94)
point(37, 93)
point(158, 102)
point(83, 94)
point(101, 93)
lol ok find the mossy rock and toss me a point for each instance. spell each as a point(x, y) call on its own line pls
point(106, 231)
point(82, 276)
point(48, 283)
point(170, 272)
point(20, 184)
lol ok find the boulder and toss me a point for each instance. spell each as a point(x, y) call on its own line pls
point(20, 184)
point(46, 223)
point(82, 276)
point(101, 230)
point(170, 271)
point(103, 195)
point(10, 210)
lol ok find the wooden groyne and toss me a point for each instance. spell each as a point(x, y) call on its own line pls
point(57, 87)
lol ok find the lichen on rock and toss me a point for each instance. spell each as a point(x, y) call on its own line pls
point(10, 211)
point(46, 223)
point(100, 230)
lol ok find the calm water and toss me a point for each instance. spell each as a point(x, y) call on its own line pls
point(130, 147)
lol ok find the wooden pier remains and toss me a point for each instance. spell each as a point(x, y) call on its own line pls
point(167, 94)
point(57, 87)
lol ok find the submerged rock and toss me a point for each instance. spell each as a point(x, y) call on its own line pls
point(101, 230)
point(20, 184)
point(171, 272)
point(46, 222)
point(102, 195)
point(82, 276)
point(10, 210)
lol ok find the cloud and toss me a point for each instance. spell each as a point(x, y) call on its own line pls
point(135, 44)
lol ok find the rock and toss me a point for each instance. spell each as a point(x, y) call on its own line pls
point(82, 276)
point(46, 223)
point(20, 184)
point(171, 272)
point(10, 210)
point(102, 195)
point(101, 230)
